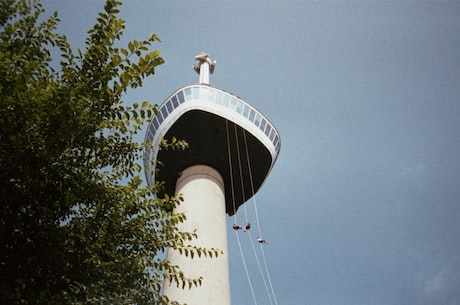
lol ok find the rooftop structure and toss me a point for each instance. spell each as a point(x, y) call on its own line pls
point(232, 148)
point(198, 114)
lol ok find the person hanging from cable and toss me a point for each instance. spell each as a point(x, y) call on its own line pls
point(245, 228)
point(261, 241)
point(236, 227)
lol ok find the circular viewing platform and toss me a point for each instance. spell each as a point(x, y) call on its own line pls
point(223, 131)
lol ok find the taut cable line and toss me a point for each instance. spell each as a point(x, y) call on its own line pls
point(230, 168)
point(260, 268)
point(263, 270)
point(241, 170)
point(234, 215)
point(259, 232)
point(252, 183)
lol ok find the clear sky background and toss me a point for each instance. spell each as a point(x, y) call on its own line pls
point(363, 204)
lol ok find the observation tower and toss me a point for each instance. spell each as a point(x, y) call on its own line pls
point(232, 148)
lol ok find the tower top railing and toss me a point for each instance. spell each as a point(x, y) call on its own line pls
point(218, 101)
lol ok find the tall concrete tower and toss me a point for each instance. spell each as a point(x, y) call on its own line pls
point(232, 148)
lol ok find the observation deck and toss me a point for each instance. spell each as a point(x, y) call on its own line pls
point(223, 131)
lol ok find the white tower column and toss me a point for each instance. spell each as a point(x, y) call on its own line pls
point(204, 205)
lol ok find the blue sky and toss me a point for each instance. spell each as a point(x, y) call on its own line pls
point(363, 204)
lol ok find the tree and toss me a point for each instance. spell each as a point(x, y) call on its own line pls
point(77, 226)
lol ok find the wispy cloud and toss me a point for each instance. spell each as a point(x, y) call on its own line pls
point(412, 172)
point(439, 286)
point(435, 284)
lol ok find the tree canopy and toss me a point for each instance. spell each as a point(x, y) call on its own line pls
point(77, 225)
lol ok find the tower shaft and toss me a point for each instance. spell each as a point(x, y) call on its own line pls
point(219, 127)
point(204, 206)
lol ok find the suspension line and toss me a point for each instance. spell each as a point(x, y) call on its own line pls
point(241, 170)
point(234, 207)
point(259, 231)
point(248, 160)
point(260, 268)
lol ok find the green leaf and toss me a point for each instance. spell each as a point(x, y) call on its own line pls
point(71, 167)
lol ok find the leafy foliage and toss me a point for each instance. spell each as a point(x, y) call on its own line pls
point(77, 226)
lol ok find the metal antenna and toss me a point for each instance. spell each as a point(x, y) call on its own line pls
point(204, 67)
